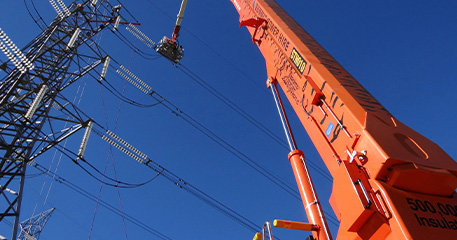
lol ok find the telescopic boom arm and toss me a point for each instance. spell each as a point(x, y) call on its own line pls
point(170, 48)
point(179, 20)
point(389, 182)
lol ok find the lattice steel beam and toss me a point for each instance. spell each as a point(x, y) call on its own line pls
point(29, 125)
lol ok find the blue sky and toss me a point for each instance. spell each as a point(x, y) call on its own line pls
point(403, 52)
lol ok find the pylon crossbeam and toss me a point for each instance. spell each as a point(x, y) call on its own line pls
point(29, 125)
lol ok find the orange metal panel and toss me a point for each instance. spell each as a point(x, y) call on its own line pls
point(355, 128)
point(419, 216)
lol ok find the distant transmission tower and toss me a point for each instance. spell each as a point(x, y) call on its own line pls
point(30, 94)
point(32, 227)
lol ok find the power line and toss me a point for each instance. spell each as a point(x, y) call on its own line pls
point(230, 148)
point(176, 180)
point(160, 170)
point(208, 46)
point(128, 12)
point(197, 77)
point(204, 84)
point(36, 21)
point(44, 65)
point(227, 146)
point(103, 203)
point(116, 183)
point(110, 156)
point(226, 101)
point(220, 141)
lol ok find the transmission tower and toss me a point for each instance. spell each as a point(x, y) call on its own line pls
point(32, 227)
point(31, 92)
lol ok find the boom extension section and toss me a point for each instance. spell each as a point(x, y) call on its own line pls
point(390, 182)
point(170, 48)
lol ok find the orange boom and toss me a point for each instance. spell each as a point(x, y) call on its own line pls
point(390, 182)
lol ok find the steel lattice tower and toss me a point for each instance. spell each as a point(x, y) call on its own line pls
point(32, 227)
point(30, 94)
